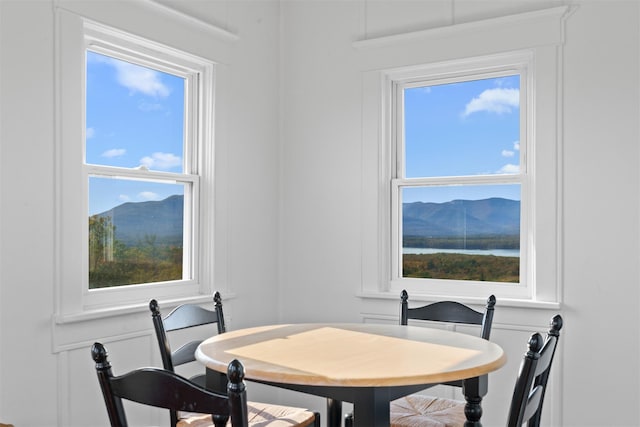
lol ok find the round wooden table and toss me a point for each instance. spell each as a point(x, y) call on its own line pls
point(366, 364)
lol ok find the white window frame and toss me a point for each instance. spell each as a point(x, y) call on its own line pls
point(529, 42)
point(74, 300)
point(443, 73)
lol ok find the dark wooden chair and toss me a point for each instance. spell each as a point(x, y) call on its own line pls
point(166, 389)
point(189, 316)
point(531, 385)
point(448, 312)
point(182, 317)
point(528, 394)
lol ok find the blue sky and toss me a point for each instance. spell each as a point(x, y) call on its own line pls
point(465, 128)
point(134, 117)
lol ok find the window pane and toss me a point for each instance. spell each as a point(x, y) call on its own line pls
point(462, 232)
point(135, 232)
point(465, 128)
point(134, 115)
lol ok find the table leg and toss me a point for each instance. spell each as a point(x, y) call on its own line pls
point(473, 412)
point(474, 389)
point(334, 413)
point(371, 408)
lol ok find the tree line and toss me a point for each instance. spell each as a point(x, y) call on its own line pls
point(455, 266)
point(112, 263)
point(486, 242)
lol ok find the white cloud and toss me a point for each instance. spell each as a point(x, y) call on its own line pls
point(507, 153)
point(124, 198)
point(161, 161)
point(148, 106)
point(516, 145)
point(114, 152)
point(139, 79)
point(148, 195)
point(90, 133)
point(498, 100)
point(509, 168)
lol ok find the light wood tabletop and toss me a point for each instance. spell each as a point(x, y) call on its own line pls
point(353, 362)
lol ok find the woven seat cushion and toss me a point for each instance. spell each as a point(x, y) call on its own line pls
point(426, 411)
point(260, 415)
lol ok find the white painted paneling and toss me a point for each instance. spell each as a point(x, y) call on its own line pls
point(26, 176)
point(599, 228)
point(124, 355)
point(321, 160)
point(601, 346)
point(384, 18)
point(291, 172)
point(246, 138)
point(473, 10)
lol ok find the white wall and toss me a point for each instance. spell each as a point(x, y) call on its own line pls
point(26, 182)
point(49, 363)
point(289, 141)
point(596, 380)
point(601, 211)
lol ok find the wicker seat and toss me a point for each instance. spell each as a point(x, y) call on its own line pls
point(418, 410)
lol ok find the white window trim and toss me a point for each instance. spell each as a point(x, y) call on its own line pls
point(468, 69)
point(537, 35)
point(74, 302)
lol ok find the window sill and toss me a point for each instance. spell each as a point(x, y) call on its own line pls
point(101, 313)
point(504, 302)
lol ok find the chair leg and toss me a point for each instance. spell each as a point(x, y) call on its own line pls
point(334, 413)
point(348, 420)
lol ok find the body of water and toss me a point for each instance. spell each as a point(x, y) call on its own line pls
point(496, 252)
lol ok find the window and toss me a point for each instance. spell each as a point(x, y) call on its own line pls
point(459, 176)
point(140, 185)
point(135, 171)
point(462, 155)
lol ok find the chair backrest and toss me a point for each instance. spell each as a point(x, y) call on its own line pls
point(166, 389)
point(449, 311)
point(182, 317)
point(529, 391)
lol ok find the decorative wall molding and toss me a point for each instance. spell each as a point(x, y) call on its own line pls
point(530, 18)
point(213, 29)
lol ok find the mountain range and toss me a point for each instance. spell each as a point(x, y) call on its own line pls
point(493, 216)
point(136, 221)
